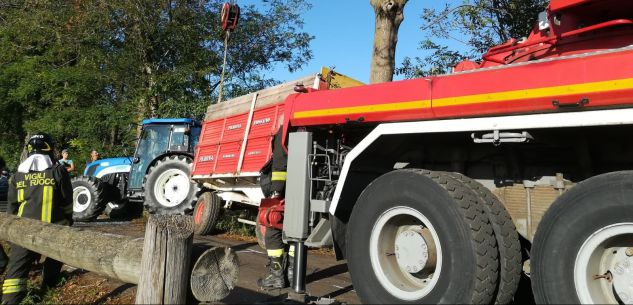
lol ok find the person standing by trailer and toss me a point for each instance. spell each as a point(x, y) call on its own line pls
point(3, 185)
point(40, 189)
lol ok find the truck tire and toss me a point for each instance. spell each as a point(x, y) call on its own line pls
point(206, 213)
point(510, 259)
point(583, 247)
point(428, 241)
point(89, 198)
point(168, 189)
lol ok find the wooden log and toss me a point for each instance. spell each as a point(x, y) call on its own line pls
point(222, 261)
point(165, 260)
point(114, 256)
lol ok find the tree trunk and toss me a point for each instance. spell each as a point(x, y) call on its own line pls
point(389, 16)
point(115, 256)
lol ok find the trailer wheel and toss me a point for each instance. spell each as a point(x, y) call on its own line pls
point(206, 213)
point(168, 189)
point(88, 198)
point(428, 241)
point(510, 259)
point(583, 248)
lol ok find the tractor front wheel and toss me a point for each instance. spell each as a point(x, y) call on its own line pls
point(89, 198)
point(168, 189)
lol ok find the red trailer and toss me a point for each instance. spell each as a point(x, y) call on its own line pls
point(235, 143)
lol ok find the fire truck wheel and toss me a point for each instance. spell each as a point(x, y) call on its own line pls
point(510, 260)
point(583, 248)
point(88, 198)
point(168, 189)
point(206, 213)
point(260, 233)
point(429, 241)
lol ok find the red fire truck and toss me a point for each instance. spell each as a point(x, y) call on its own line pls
point(451, 189)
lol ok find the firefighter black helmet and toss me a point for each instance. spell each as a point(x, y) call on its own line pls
point(40, 143)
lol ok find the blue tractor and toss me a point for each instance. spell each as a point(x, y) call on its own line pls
point(157, 176)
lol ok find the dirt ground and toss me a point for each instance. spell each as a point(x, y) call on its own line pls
point(325, 276)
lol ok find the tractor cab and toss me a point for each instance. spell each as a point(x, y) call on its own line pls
point(160, 138)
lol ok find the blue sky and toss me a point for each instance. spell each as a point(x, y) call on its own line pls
point(344, 30)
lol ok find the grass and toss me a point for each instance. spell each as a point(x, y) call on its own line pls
point(35, 295)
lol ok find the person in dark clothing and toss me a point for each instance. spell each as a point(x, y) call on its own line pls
point(275, 248)
point(3, 197)
point(41, 190)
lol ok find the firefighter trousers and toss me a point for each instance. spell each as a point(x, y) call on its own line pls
point(20, 262)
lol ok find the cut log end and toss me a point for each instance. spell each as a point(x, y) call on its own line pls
point(214, 274)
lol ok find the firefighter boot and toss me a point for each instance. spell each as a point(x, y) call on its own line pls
point(275, 278)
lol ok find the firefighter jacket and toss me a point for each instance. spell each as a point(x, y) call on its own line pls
point(44, 195)
point(280, 163)
point(273, 173)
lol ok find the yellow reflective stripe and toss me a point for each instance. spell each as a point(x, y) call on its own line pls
point(47, 203)
point(13, 282)
point(21, 201)
point(49, 213)
point(291, 251)
point(275, 252)
point(13, 289)
point(491, 97)
point(44, 195)
point(279, 176)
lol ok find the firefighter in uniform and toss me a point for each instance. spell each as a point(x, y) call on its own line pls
point(3, 256)
point(275, 247)
point(41, 190)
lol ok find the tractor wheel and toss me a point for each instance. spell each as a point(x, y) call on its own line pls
point(583, 248)
point(89, 198)
point(206, 213)
point(428, 240)
point(168, 189)
point(510, 260)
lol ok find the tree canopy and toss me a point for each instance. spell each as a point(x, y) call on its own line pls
point(476, 25)
point(86, 71)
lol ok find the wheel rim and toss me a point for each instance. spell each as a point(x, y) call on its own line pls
point(81, 199)
point(199, 211)
point(172, 188)
point(603, 270)
point(405, 253)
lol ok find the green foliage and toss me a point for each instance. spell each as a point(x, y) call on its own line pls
point(85, 71)
point(229, 223)
point(476, 24)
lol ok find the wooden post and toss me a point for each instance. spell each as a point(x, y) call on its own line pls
point(165, 262)
point(114, 256)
